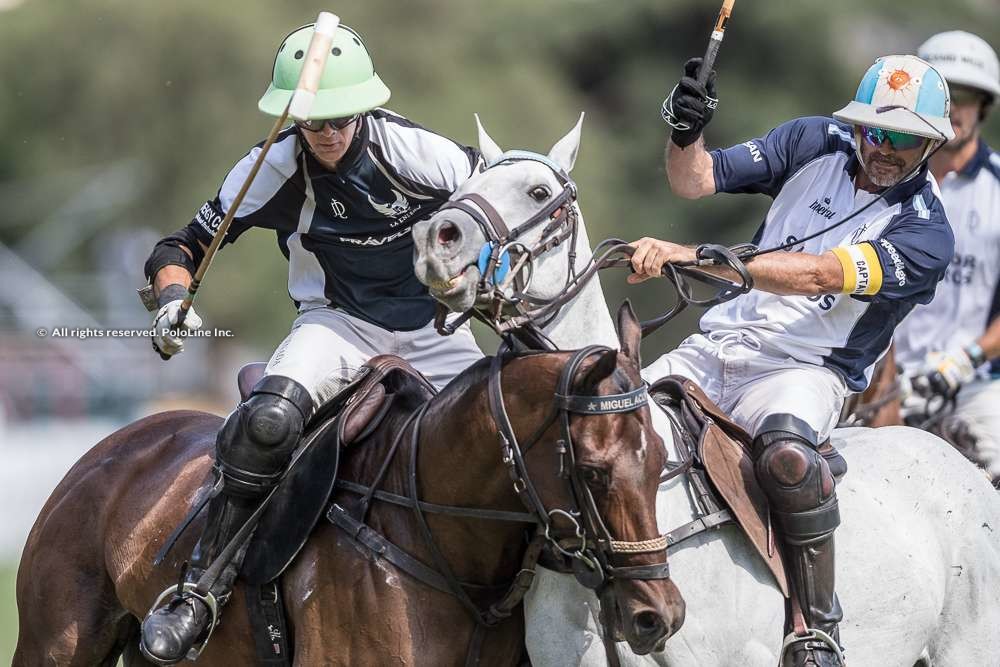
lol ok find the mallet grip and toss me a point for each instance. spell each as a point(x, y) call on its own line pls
point(708, 62)
point(312, 68)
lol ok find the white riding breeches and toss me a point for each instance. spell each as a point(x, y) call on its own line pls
point(751, 381)
point(978, 405)
point(326, 347)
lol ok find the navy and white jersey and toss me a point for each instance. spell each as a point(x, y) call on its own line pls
point(346, 233)
point(893, 254)
point(968, 299)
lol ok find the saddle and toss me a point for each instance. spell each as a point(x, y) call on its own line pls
point(302, 496)
point(720, 448)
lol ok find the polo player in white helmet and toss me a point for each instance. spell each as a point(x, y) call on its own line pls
point(341, 191)
point(949, 343)
point(782, 358)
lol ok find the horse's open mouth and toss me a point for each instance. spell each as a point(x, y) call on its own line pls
point(451, 286)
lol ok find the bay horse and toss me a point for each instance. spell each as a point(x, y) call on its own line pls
point(918, 551)
point(86, 574)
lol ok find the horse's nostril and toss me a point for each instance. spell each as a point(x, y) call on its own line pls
point(648, 624)
point(448, 233)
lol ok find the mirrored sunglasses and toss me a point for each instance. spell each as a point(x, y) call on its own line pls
point(901, 141)
point(318, 124)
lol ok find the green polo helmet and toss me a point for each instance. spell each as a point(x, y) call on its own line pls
point(349, 84)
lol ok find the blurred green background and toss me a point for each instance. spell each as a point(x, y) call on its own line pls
point(121, 118)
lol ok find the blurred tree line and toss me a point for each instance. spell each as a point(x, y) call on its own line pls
point(175, 85)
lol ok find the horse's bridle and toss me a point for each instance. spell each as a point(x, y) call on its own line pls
point(592, 546)
point(506, 264)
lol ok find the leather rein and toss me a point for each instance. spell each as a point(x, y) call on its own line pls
point(591, 546)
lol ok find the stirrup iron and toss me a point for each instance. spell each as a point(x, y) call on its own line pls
point(190, 590)
point(811, 634)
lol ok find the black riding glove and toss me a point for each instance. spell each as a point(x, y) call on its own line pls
point(691, 104)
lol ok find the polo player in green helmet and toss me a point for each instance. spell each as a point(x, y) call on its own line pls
point(341, 190)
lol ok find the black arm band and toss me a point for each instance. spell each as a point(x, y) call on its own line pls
point(167, 254)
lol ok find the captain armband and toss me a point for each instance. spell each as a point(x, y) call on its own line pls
point(862, 269)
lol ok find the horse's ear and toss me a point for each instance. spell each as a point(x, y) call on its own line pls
point(629, 332)
point(565, 151)
point(491, 152)
point(603, 368)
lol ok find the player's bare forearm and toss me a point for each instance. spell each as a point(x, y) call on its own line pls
point(689, 170)
point(786, 273)
point(789, 274)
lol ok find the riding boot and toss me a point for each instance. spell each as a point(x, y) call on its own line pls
point(170, 632)
point(252, 451)
point(812, 570)
point(802, 495)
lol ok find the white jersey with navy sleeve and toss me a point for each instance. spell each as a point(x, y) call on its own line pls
point(968, 299)
point(893, 254)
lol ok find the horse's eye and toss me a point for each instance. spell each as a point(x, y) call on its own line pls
point(593, 476)
point(539, 193)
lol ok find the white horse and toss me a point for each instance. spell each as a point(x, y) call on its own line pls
point(918, 549)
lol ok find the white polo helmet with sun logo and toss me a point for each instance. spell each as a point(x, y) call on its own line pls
point(902, 93)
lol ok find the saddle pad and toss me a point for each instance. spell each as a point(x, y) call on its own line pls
point(724, 450)
point(731, 472)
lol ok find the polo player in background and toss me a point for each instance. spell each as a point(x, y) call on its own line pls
point(948, 344)
point(341, 191)
point(782, 358)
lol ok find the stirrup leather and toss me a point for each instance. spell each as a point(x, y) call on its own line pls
point(811, 634)
point(190, 590)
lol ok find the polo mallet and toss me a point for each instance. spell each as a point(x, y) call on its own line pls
point(708, 62)
point(298, 108)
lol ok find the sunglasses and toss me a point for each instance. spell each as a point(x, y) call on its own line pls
point(318, 124)
point(900, 141)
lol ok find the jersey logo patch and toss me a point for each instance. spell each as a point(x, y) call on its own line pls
point(754, 151)
point(337, 209)
point(399, 209)
point(823, 209)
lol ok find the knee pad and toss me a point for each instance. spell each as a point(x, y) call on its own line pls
point(796, 479)
point(257, 440)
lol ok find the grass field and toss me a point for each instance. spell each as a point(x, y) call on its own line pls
point(8, 612)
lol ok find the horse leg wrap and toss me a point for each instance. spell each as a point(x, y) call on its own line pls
point(257, 440)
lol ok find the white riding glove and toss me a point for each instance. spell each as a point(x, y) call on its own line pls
point(949, 370)
point(165, 332)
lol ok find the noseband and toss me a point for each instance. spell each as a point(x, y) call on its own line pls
point(592, 545)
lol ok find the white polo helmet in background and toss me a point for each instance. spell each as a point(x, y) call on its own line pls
point(964, 59)
point(902, 93)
